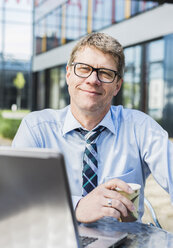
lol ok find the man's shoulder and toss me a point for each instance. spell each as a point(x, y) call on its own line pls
point(46, 116)
point(126, 114)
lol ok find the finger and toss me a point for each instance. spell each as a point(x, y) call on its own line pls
point(114, 195)
point(111, 212)
point(116, 204)
point(114, 183)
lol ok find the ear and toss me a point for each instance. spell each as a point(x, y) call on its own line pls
point(68, 72)
point(118, 86)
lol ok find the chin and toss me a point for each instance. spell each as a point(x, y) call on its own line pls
point(92, 108)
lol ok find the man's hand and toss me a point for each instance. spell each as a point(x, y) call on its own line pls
point(95, 204)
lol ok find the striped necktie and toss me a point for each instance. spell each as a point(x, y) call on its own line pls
point(90, 163)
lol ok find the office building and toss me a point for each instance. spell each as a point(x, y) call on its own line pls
point(16, 18)
point(145, 30)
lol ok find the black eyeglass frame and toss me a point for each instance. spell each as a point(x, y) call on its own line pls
point(116, 73)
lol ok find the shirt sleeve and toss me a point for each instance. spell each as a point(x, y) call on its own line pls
point(75, 200)
point(157, 153)
point(25, 136)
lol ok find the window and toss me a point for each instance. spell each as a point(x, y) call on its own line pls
point(155, 79)
point(132, 78)
point(54, 88)
point(41, 92)
point(59, 96)
point(0, 36)
point(64, 95)
point(102, 14)
point(143, 86)
point(16, 46)
point(75, 19)
point(17, 41)
point(51, 29)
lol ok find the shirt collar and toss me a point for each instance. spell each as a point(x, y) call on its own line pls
point(71, 123)
point(108, 122)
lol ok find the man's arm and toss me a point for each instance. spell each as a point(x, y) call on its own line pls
point(95, 204)
point(157, 153)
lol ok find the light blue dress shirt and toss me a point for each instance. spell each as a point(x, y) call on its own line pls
point(132, 147)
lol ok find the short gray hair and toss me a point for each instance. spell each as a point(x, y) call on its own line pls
point(105, 44)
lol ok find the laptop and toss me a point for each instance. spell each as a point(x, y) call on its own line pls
point(36, 207)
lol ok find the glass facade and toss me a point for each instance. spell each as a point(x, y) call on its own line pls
point(132, 77)
point(18, 29)
point(155, 89)
point(59, 96)
point(75, 18)
point(41, 92)
point(1, 29)
point(143, 86)
point(50, 89)
point(167, 121)
point(148, 80)
point(76, 11)
point(15, 49)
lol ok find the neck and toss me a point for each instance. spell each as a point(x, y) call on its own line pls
point(88, 120)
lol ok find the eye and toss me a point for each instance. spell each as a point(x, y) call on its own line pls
point(82, 68)
point(106, 74)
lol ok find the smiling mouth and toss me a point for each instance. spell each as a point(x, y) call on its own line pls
point(91, 92)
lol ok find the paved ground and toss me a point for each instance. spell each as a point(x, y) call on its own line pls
point(160, 201)
point(5, 142)
point(155, 194)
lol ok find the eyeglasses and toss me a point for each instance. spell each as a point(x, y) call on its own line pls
point(104, 75)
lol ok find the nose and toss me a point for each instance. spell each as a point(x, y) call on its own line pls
point(93, 78)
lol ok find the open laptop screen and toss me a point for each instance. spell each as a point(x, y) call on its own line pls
point(35, 204)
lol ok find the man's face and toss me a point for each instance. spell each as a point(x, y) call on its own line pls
point(89, 95)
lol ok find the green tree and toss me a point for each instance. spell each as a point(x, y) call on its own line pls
point(19, 83)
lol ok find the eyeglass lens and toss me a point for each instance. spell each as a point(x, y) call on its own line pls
point(104, 75)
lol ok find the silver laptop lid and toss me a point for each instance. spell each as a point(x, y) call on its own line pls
point(35, 203)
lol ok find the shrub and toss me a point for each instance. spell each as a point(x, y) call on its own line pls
point(8, 127)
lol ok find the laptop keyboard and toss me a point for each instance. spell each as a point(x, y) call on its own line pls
point(87, 240)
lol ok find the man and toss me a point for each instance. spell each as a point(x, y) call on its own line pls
point(128, 145)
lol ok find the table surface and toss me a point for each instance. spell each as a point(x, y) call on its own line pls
point(139, 235)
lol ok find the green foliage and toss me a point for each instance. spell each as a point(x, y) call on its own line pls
point(19, 81)
point(8, 127)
